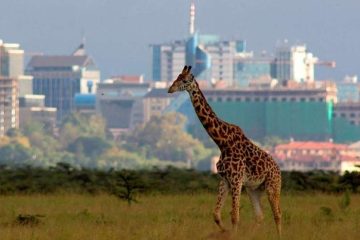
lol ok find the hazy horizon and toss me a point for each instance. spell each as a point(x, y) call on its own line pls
point(118, 33)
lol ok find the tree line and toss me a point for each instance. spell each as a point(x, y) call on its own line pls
point(83, 141)
point(127, 183)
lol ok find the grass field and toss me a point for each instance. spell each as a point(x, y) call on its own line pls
point(72, 216)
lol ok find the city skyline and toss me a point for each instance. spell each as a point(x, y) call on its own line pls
point(115, 40)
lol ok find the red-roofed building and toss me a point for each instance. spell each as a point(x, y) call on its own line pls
point(129, 79)
point(307, 156)
point(311, 149)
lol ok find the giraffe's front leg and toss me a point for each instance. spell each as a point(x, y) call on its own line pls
point(235, 191)
point(223, 191)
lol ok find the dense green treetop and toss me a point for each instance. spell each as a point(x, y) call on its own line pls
point(82, 141)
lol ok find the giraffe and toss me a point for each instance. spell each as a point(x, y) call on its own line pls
point(241, 163)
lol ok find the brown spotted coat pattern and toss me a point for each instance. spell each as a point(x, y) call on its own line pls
point(241, 163)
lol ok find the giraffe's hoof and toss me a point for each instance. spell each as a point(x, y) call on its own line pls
point(222, 229)
point(222, 235)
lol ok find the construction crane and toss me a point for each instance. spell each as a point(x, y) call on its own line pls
point(316, 61)
point(331, 64)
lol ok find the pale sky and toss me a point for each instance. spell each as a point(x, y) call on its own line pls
point(118, 32)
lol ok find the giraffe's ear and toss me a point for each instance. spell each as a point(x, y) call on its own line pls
point(185, 69)
point(189, 69)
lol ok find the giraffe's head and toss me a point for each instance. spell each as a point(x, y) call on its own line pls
point(185, 81)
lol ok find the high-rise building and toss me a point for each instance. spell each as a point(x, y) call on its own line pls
point(9, 105)
point(167, 60)
point(11, 70)
point(228, 62)
point(294, 63)
point(12, 60)
point(59, 78)
point(250, 70)
point(212, 59)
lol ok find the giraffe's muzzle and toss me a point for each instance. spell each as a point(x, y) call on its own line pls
point(172, 89)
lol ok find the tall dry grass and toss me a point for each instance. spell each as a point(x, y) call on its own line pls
point(72, 216)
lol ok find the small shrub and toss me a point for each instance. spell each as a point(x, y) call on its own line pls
point(126, 185)
point(28, 220)
point(326, 211)
point(102, 220)
point(84, 214)
point(345, 200)
point(326, 216)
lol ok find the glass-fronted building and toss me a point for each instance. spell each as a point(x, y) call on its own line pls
point(60, 78)
point(211, 58)
point(349, 90)
point(249, 69)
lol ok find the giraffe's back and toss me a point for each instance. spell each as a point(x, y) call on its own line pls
point(242, 159)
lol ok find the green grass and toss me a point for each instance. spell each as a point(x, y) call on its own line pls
point(73, 216)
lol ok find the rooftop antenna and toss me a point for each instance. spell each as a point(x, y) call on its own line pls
point(80, 50)
point(83, 39)
point(192, 18)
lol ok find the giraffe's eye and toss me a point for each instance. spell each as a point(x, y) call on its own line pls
point(184, 81)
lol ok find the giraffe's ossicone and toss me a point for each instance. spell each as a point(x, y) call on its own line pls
point(241, 163)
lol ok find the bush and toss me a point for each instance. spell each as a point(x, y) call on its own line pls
point(169, 180)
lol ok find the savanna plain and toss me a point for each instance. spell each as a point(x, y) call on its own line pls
point(181, 216)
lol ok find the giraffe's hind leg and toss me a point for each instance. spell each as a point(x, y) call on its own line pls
point(235, 212)
point(255, 199)
point(223, 191)
point(273, 189)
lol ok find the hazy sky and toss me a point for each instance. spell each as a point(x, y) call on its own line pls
point(118, 32)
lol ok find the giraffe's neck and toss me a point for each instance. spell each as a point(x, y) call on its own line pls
point(212, 124)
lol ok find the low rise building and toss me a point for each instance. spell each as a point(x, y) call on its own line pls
point(349, 111)
point(85, 103)
point(280, 94)
point(32, 109)
point(300, 113)
point(308, 156)
point(349, 90)
point(155, 102)
point(350, 164)
point(121, 104)
point(355, 148)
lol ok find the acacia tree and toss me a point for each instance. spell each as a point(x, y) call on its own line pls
point(125, 185)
